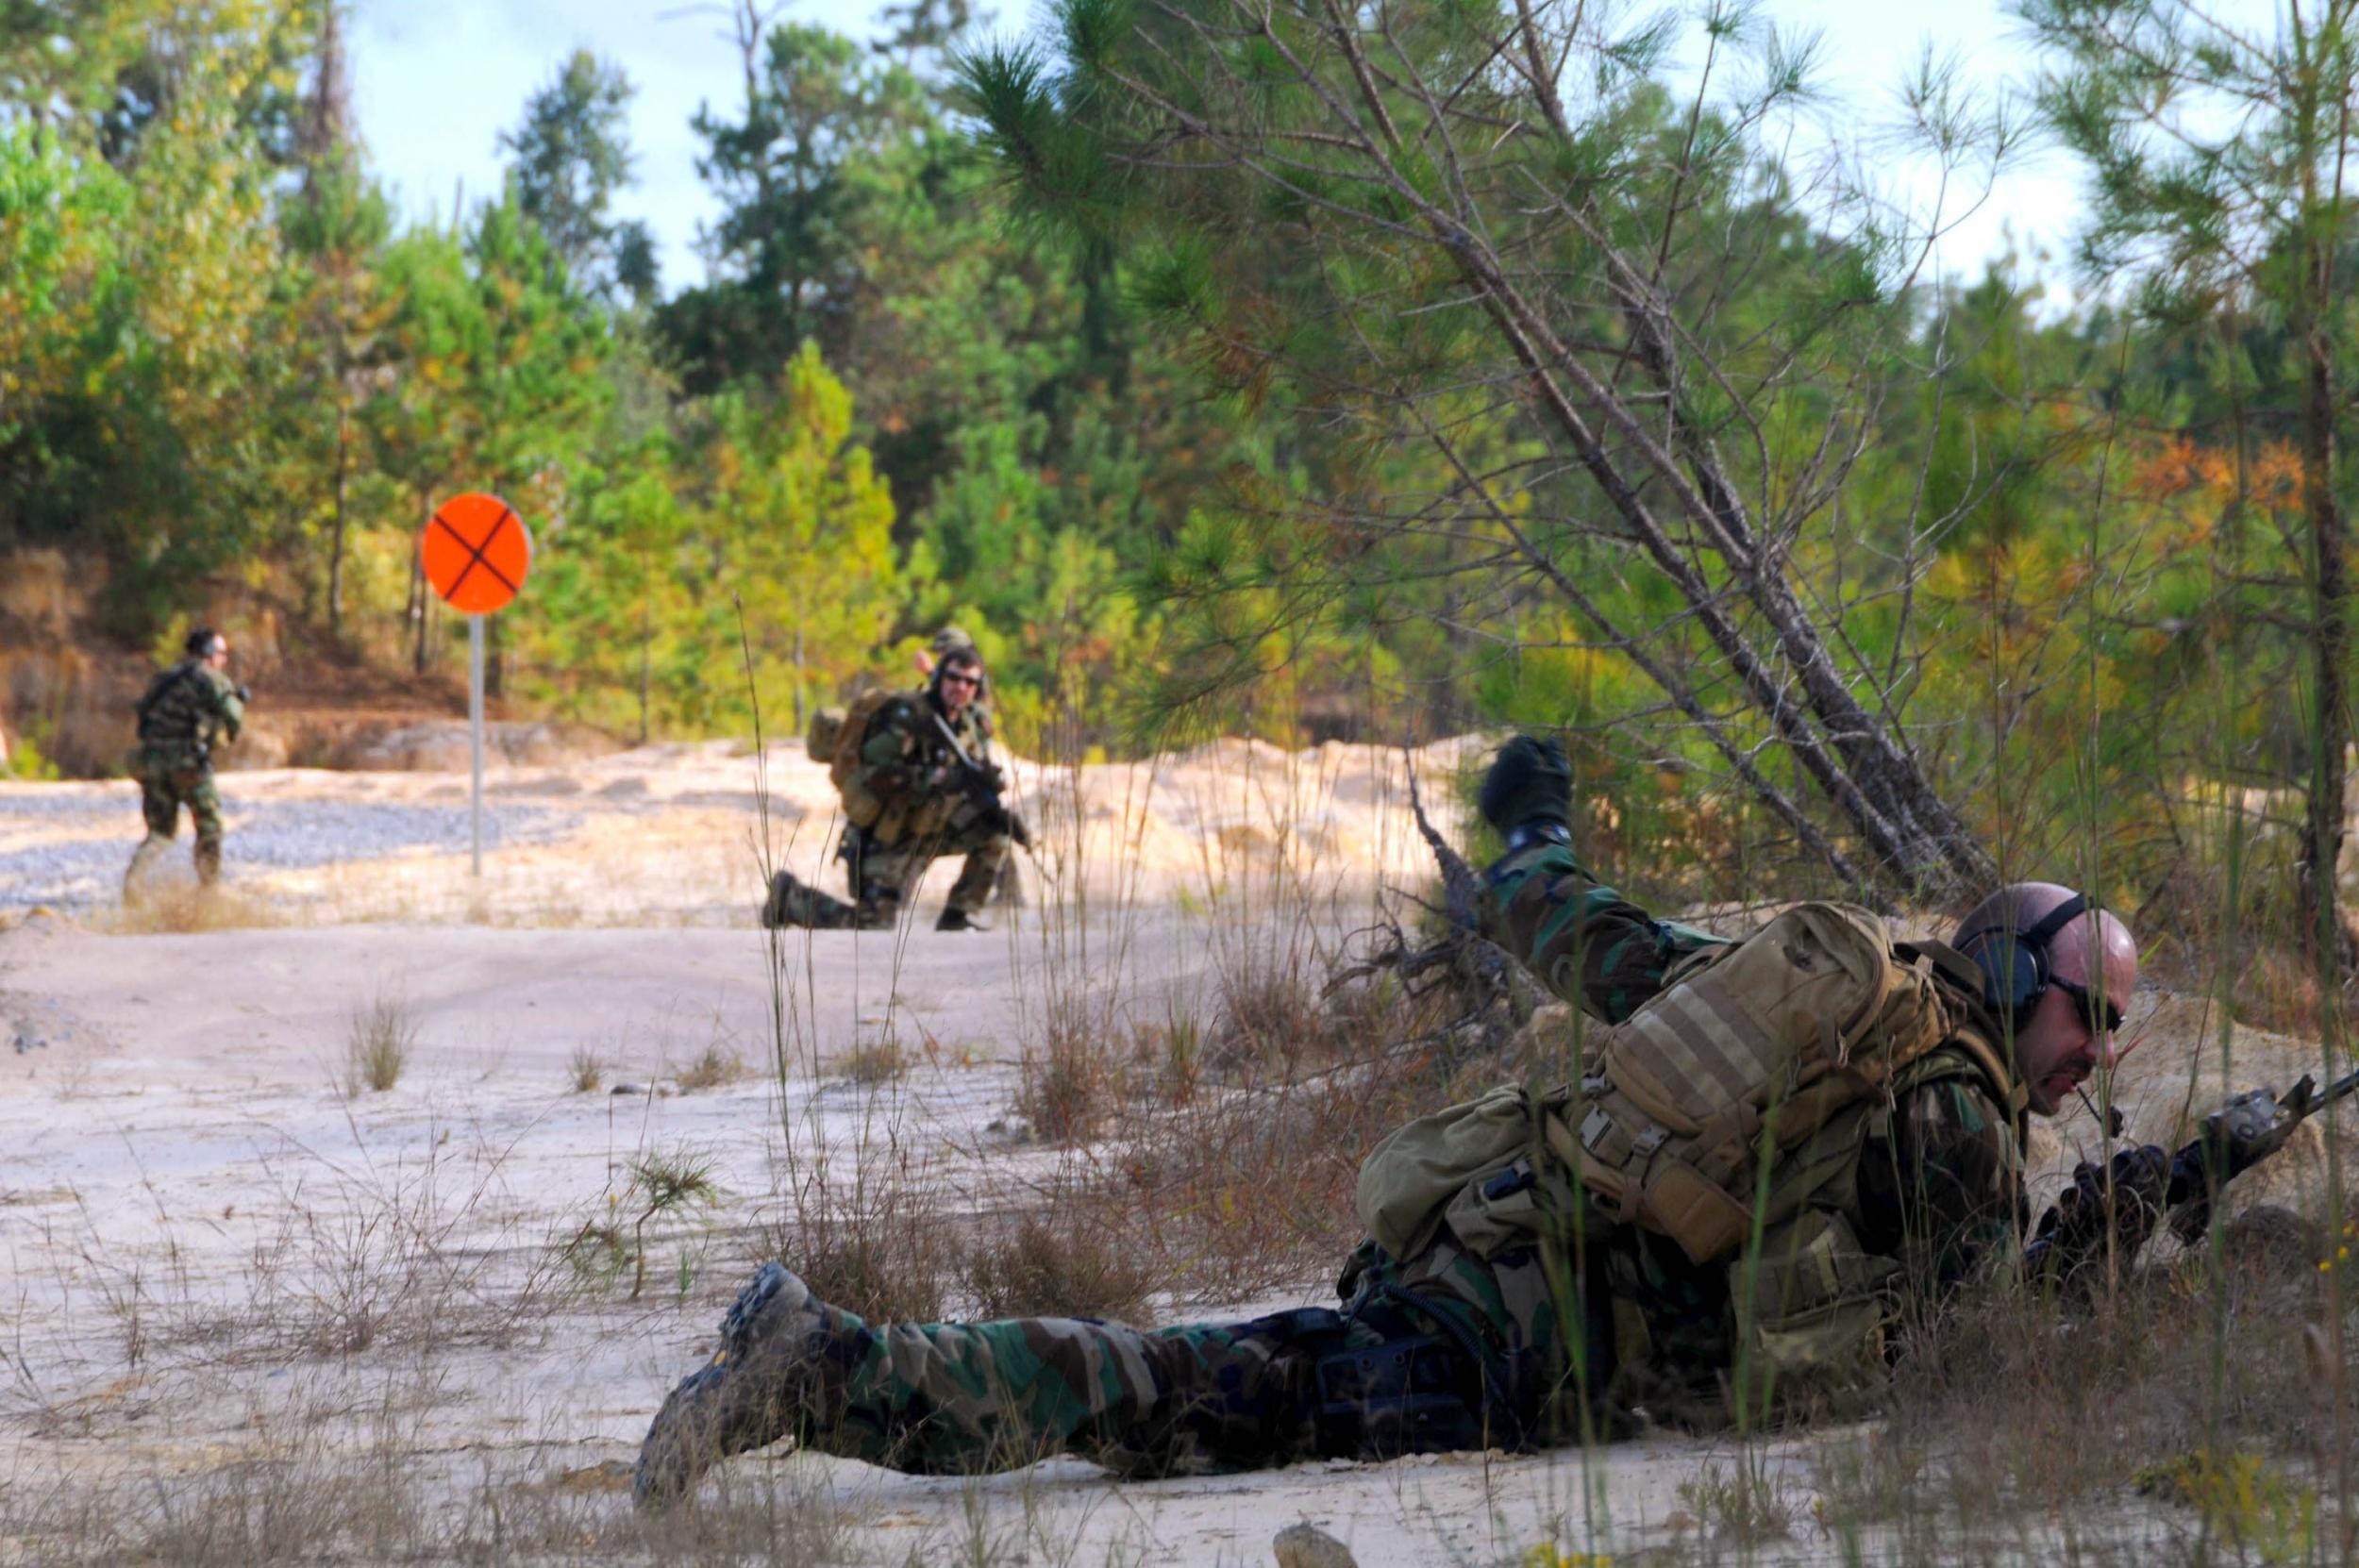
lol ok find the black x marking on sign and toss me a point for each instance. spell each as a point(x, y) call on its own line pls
point(507, 514)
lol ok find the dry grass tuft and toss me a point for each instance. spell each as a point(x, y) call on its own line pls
point(300, 1498)
point(1244, 1179)
point(2048, 1405)
point(1067, 1087)
point(1739, 1503)
point(874, 1061)
point(586, 1069)
point(1072, 1256)
point(882, 1245)
point(377, 1044)
point(716, 1065)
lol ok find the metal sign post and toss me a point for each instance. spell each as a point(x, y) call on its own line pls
point(476, 551)
point(475, 737)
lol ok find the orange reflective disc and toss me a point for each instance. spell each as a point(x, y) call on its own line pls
point(476, 552)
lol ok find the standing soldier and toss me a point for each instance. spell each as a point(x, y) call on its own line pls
point(923, 785)
point(188, 709)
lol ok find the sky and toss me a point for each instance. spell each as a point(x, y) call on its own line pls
point(435, 81)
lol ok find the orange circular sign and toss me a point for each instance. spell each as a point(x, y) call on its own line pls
point(476, 552)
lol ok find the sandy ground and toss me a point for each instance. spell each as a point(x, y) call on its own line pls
point(207, 1242)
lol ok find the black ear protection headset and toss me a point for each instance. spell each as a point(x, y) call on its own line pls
point(2013, 982)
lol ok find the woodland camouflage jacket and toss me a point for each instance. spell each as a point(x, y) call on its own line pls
point(1925, 1183)
point(187, 711)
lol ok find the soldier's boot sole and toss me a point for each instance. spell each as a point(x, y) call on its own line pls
point(746, 1397)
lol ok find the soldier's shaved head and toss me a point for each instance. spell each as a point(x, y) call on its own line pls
point(2094, 960)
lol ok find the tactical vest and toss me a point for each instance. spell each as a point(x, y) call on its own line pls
point(900, 818)
point(1728, 1114)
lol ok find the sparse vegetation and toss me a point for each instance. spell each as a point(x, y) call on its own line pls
point(881, 1242)
point(1067, 1088)
point(1738, 1503)
point(715, 1065)
point(586, 1069)
point(1071, 1253)
point(880, 1059)
point(377, 1042)
point(674, 1186)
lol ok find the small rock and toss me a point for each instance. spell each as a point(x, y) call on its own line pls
point(628, 1089)
point(1306, 1545)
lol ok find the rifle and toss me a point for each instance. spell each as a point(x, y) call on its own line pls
point(2240, 1134)
point(981, 782)
point(2236, 1137)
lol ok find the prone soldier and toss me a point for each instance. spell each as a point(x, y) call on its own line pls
point(1774, 1150)
point(186, 711)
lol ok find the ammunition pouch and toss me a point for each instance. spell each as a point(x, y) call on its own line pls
point(861, 807)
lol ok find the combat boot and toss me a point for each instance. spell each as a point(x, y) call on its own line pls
point(749, 1394)
point(878, 911)
point(959, 920)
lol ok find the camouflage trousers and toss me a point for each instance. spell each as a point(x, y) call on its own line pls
point(882, 875)
point(1478, 1348)
point(167, 784)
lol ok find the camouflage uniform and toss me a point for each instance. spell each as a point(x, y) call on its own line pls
point(1924, 1188)
point(187, 711)
point(1558, 1338)
point(908, 806)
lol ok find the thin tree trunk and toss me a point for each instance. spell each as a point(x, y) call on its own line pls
point(1845, 750)
point(418, 594)
point(2329, 639)
point(335, 533)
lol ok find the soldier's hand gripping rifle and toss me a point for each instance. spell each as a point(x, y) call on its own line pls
point(2138, 1186)
point(2236, 1137)
point(981, 783)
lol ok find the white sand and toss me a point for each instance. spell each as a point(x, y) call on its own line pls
point(207, 1243)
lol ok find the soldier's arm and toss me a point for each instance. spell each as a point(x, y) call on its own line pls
point(228, 707)
point(891, 758)
point(1585, 941)
point(1941, 1185)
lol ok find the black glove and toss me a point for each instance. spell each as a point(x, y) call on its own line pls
point(2086, 1213)
point(246, 693)
point(1019, 831)
point(1530, 786)
point(996, 776)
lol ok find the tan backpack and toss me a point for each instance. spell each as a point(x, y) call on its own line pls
point(861, 807)
point(1686, 1108)
point(820, 736)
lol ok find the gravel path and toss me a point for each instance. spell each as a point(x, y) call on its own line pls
point(288, 835)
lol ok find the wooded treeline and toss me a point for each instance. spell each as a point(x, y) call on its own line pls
point(1323, 371)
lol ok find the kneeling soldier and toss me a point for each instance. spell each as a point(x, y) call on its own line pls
point(923, 785)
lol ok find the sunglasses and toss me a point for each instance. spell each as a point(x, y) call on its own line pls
point(2102, 1024)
